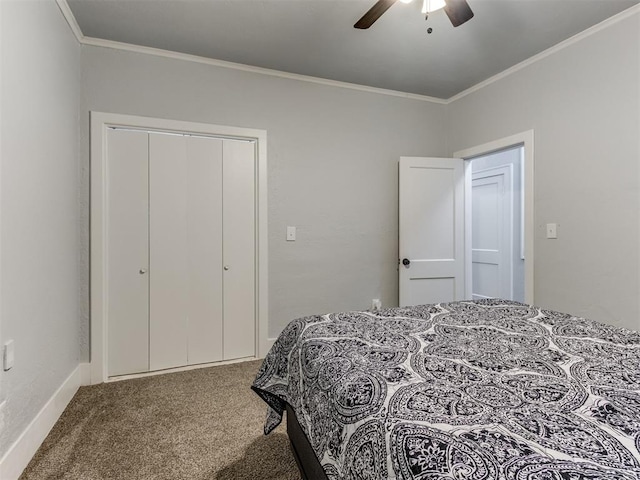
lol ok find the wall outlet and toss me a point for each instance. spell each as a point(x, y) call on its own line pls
point(8, 355)
point(376, 304)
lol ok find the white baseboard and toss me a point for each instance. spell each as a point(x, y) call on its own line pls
point(25, 447)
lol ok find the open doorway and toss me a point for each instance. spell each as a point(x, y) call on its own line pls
point(497, 225)
point(518, 149)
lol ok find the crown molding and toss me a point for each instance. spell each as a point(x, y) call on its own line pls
point(549, 51)
point(71, 19)
point(99, 42)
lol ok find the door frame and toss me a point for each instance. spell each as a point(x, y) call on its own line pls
point(100, 123)
point(525, 140)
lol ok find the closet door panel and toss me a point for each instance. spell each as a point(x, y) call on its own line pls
point(239, 248)
point(128, 252)
point(204, 241)
point(169, 278)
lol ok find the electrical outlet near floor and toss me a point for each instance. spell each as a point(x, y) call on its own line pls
point(8, 355)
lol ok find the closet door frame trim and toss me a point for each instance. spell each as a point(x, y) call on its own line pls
point(100, 123)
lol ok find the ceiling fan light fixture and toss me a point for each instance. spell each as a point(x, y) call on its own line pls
point(429, 6)
point(458, 11)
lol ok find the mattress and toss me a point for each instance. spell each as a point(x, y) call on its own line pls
point(466, 390)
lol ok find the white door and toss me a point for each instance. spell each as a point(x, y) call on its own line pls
point(431, 230)
point(492, 233)
point(185, 250)
point(181, 250)
point(127, 208)
point(239, 239)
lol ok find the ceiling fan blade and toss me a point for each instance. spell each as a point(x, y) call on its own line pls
point(374, 13)
point(458, 11)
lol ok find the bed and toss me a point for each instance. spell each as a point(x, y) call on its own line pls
point(477, 390)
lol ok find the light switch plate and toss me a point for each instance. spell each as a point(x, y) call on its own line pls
point(291, 234)
point(552, 230)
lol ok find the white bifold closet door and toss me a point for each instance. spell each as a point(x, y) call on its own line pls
point(127, 252)
point(238, 240)
point(194, 215)
point(185, 250)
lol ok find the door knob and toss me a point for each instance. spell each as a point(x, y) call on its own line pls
point(406, 262)
point(143, 271)
point(226, 267)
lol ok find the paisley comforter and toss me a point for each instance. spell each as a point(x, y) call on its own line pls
point(483, 390)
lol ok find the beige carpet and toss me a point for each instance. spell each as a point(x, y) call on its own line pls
point(199, 425)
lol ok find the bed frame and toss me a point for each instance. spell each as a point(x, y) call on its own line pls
point(308, 463)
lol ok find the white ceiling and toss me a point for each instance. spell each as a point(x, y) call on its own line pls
point(317, 38)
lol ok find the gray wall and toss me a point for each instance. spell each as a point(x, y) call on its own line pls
point(332, 168)
point(38, 206)
point(510, 157)
point(583, 103)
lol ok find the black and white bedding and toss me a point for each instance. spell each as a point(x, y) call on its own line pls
point(484, 390)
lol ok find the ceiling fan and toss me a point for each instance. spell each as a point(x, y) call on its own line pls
point(458, 11)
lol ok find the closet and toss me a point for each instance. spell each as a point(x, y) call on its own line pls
point(180, 250)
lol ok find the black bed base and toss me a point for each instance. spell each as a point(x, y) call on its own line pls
point(308, 463)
